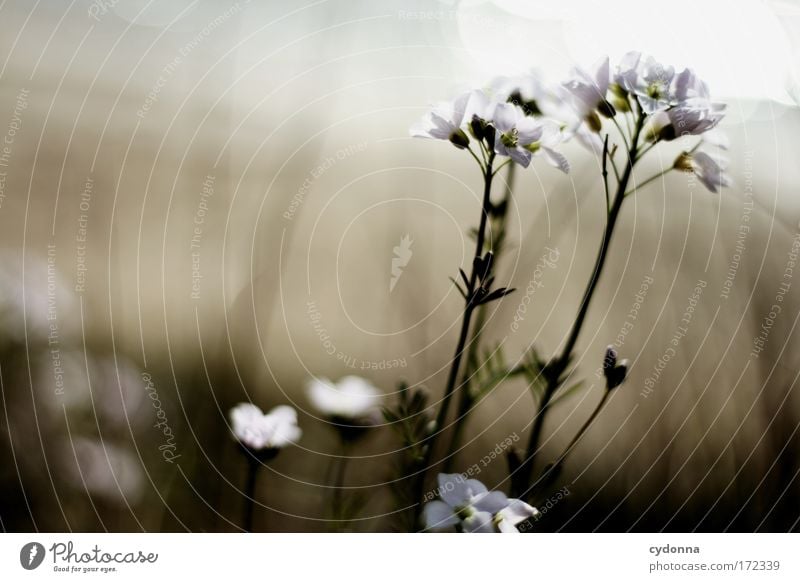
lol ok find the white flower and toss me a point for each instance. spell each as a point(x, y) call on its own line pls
point(258, 431)
point(649, 80)
point(627, 71)
point(520, 137)
point(709, 170)
point(589, 89)
point(527, 88)
point(468, 504)
point(508, 518)
point(692, 117)
point(687, 85)
point(352, 398)
point(444, 122)
point(447, 120)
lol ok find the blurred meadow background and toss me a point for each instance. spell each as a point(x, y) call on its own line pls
point(199, 205)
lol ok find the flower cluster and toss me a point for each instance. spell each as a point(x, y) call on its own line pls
point(508, 128)
point(521, 117)
point(468, 506)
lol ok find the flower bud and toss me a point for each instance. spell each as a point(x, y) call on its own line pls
point(619, 98)
point(614, 372)
point(684, 162)
point(489, 134)
point(610, 360)
point(459, 139)
point(660, 128)
point(606, 109)
point(594, 123)
point(477, 127)
point(619, 374)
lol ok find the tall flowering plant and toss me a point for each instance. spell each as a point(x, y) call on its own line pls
point(620, 115)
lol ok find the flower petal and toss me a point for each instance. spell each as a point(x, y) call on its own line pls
point(492, 502)
point(438, 515)
point(556, 159)
point(454, 490)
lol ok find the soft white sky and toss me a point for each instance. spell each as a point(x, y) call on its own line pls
point(743, 48)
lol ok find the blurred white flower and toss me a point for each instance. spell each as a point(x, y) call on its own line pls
point(589, 89)
point(258, 431)
point(35, 301)
point(444, 121)
point(468, 504)
point(520, 137)
point(709, 170)
point(628, 70)
point(520, 89)
point(688, 85)
point(352, 398)
point(104, 469)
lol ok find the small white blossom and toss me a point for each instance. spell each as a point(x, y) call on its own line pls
point(508, 518)
point(649, 80)
point(468, 504)
point(692, 117)
point(688, 85)
point(352, 398)
point(258, 431)
point(529, 88)
point(444, 121)
point(709, 170)
point(627, 71)
point(589, 89)
point(521, 137)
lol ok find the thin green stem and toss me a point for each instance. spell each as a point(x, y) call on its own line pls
point(466, 401)
point(605, 175)
point(579, 435)
point(645, 150)
point(501, 166)
point(555, 467)
point(621, 133)
point(559, 364)
point(469, 308)
point(480, 163)
point(646, 182)
point(614, 167)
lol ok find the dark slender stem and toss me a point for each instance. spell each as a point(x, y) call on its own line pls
point(335, 479)
point(250, 493)
point(466, 400)
point(554, 469)
point(338, 490)
point(579, 435)
point(560, 363)
point(469, 308)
